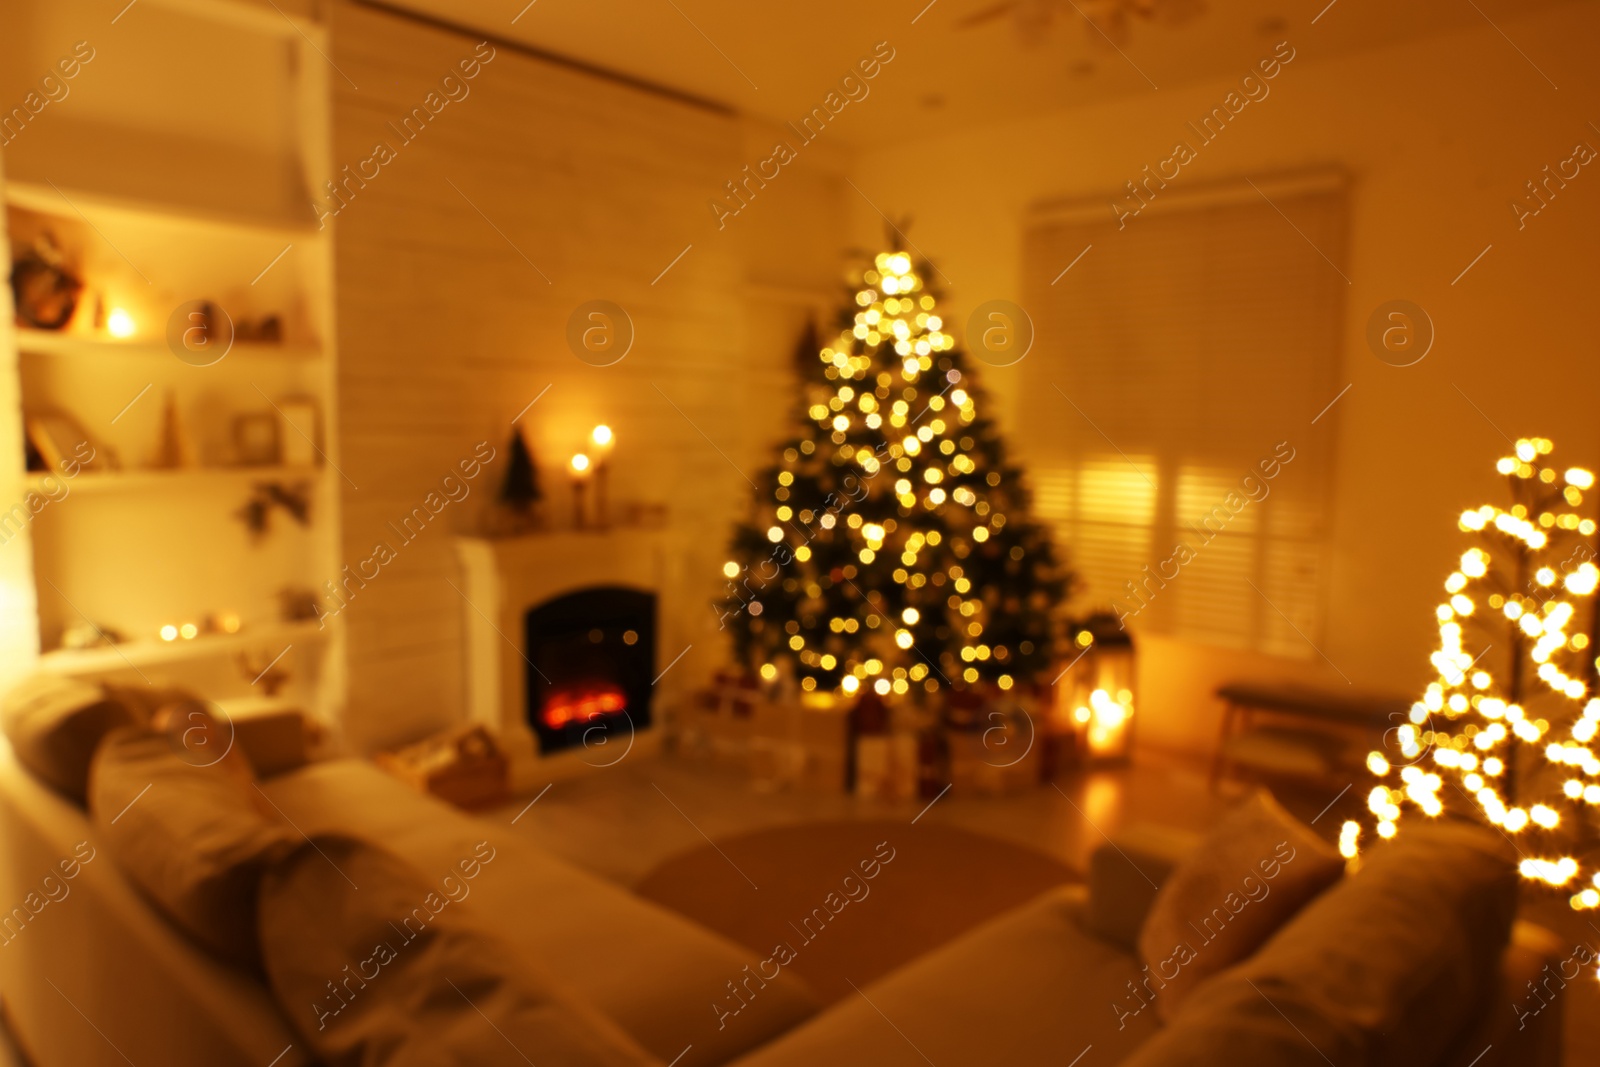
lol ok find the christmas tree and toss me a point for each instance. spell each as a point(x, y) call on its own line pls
point(520, 491)
point(891, 547)
point(1510, 718)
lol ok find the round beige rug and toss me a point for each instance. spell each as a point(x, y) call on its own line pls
point(847, 902)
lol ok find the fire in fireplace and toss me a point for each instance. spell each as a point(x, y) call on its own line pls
point(593, 658)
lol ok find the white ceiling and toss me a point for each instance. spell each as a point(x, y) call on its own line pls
point(778, 60)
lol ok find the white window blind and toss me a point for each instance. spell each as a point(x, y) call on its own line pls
point(1180, 354)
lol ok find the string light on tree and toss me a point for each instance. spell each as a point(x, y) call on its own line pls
point(891, 548)
point(1506, 731)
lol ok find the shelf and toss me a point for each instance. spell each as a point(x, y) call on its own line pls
point(48, 200)
point(76, 346)
point(182, 479)
point(274, 637)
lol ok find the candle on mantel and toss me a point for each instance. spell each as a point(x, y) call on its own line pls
point(579, 466)
point(600, 441)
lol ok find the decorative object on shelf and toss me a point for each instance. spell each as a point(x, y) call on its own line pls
point(175, 450)
point(891, 545)
point(58, 443)
point(265, 670)
point(298, 441)
point(120, 324)
point(266, 497)
point(298, 604)
point(1100, 688)
point(199, 333)
point(186, 631)
point(601, 440)
point(86, 634)
point(520, 493)
point(221, 622)
point(255, 438)
point(463, 766)
point(267, 330)
point(580, 468)
point(1511, 719)
point(44, 288)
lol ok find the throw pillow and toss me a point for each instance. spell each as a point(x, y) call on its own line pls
point(189, 834)
point(395, 974)
point(1252, 871)
point(55, 724)
point(1387, 969)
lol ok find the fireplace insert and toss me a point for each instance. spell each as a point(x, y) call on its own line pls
point(593, 656)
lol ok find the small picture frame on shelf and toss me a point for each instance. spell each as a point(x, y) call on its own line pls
point(297, 445)
point(256, 439)
point(63, 446)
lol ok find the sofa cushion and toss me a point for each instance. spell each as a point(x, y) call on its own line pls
point(1387, 968)
point(55, 723)
point(189, 834)
point(654, 973)
point(1030, 988)
point(376, 966)
point(1125, 874)
point(1253, 870)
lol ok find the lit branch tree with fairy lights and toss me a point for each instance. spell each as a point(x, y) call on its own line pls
point(1511, 718)
point(891, 549)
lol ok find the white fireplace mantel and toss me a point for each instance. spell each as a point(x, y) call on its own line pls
point(503, 578)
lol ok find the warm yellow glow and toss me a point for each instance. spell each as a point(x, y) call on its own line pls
point(169, 632)
point(1533, 581)
point(730, 569)
point(601, 436)
point(768, 671)
point(120, 324)
point(188, 631)
point(579, 464)
point(1349, 839)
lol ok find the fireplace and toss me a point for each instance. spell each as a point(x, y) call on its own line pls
point(537, 600)
point(593, 659)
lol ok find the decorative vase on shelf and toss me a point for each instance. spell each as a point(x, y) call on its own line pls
point(175, 451)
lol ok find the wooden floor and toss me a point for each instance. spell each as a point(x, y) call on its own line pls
point(623, 821)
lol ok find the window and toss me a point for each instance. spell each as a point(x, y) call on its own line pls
point(1175, 404)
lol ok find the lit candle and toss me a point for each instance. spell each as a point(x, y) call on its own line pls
point(601, 439)
point(579, 467)
point(120, 324)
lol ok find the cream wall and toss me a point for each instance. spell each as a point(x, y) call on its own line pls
point(1438, 137)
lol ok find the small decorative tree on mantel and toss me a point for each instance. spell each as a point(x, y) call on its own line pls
point(891, 548)
point(1510, 722)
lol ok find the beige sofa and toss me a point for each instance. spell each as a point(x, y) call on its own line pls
point(99, 979)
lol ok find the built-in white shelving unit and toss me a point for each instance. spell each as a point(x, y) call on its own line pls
point(134, 542)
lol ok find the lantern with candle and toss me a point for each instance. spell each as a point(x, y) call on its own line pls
point(1099, 689)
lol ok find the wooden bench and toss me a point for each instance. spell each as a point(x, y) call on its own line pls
point(1298, 731)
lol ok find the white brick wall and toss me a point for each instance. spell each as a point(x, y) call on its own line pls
point(446, 331)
